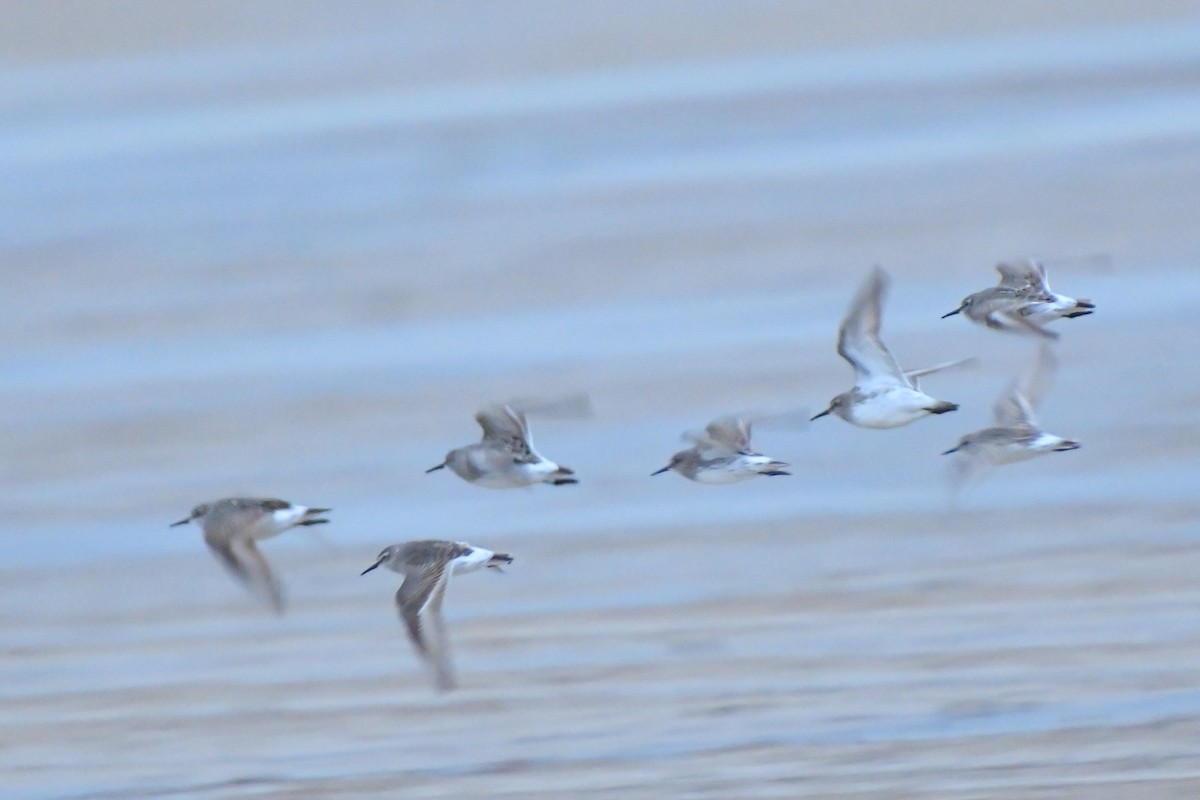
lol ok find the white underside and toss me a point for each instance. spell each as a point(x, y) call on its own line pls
point(891, 408)
point(517, 475)
point(735, 471)
point(493, 469)
point(1013, 452)
point(469, 562)
point(1041, 313)
point(279, 521)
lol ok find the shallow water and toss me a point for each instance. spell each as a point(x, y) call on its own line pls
point(296, 265)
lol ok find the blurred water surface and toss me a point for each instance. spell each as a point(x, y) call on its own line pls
point(294, 261)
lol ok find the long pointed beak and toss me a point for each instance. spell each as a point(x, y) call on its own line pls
point(661, 471)
point(952, 313)
point(435, 469)
point(183, 521)
point(315, 511)
point(822, 414)
point(373, 566)
point(954, 449)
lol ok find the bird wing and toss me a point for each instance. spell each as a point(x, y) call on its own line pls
point(1020, 273)
point(1016, 406)
point(238, 553)
point(729, 433)
point(419, 601)
point(272, 504)
point(507, 428)
point(914, 374)
point(1041, 280)
point(858, 337)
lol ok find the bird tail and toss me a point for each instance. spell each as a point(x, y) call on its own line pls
point(561, 477)
point(499, 559)
point(941, 407)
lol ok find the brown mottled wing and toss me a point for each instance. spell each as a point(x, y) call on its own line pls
point(507, 428)
point(858, 337)
point(242, 558)
point(419, 601)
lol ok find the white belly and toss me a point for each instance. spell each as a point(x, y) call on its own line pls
point(891, 409)
point(469, 562)
point(278, 521)
point(516, 475)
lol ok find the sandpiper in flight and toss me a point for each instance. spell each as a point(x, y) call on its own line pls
point(723, 454)
point(1022, 302)
point(427, 566)
point(505, 457)
point(1016, 435)
point(231, 527)
point(884, 396)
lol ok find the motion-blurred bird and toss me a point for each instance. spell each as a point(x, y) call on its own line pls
point(1016, 435)
point(427, 566)
point(723, 454)
point(1022, 302)
point(505, 457)
point(884, 396)
point(232, 526)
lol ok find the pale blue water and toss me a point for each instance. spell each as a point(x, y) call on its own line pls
point(220, 280)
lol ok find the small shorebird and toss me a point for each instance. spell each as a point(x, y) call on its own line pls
point(884, 396)
point(1022, 302)
point(231, 527)
point(1016, 435)
point(723, 454)
point(505, 457)
point(427, 566)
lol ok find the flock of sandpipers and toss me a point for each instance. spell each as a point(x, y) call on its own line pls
point(884, 396)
